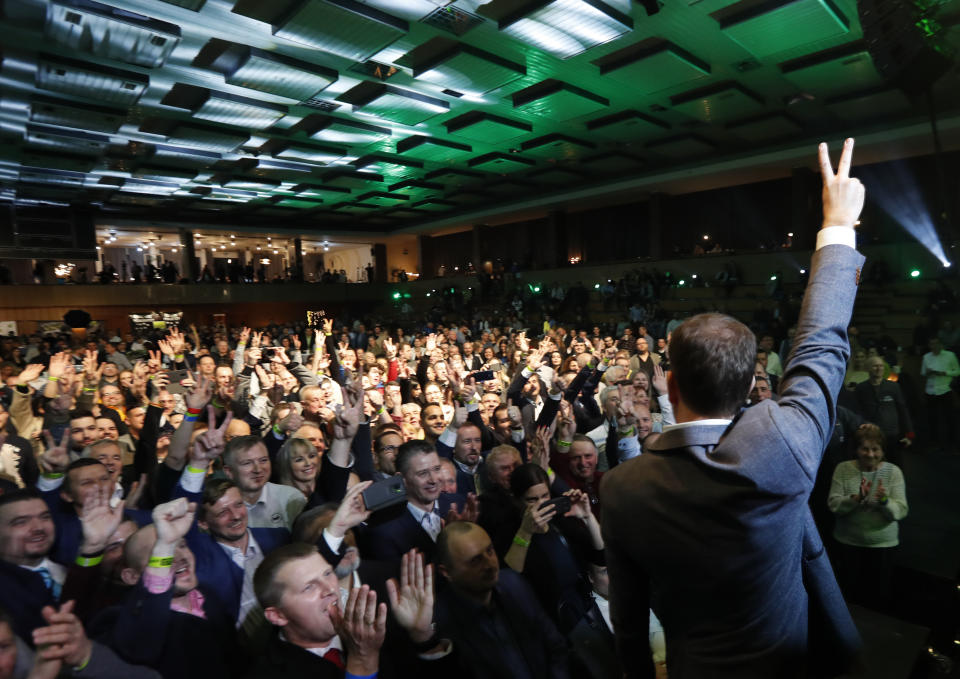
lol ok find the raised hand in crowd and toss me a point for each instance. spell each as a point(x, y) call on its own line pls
point(411, 599)
point(63, 642)
point(210, 444)
point(351, 512)
point(56, 457)
point(362, 627)
point(99, 520)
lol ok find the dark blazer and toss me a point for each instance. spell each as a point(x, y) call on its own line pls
point(390, 540)
point(22, 596)
point(217, 573)
point(710, 526)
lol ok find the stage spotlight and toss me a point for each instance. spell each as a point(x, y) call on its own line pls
point(915, 273)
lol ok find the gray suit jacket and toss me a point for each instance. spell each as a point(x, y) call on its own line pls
point(710, 526)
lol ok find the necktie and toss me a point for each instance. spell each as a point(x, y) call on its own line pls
point(336, 657)
point(49, 582)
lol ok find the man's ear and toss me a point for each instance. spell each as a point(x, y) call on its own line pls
point(442, 570)
point(673, 390)
point(275, 616)
point(229, 472)
point(130, 576)
point(66, 497)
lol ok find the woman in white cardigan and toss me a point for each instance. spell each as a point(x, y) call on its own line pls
point(868, 497)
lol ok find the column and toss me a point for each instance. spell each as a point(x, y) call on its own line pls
point(189, 265)
point(298, 260)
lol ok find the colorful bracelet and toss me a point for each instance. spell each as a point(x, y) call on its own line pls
point(517, 540)
point(52, 475)
point(88, 561)
point(52, 378)
point(564, 444)
point(178, 358)
point(194, 411)
point(190, 417)
point(160, 562)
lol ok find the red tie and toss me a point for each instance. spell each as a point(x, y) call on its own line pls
point(336, 657)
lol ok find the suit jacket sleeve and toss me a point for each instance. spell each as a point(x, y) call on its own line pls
point(105, 664)
point(814, 373)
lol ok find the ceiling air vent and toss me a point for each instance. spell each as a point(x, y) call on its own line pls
point(321, 104)
point(452, 20)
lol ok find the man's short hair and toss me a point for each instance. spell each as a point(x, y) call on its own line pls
point(78, 464)
point(712, 357)
point(268, 589)
point(408, 451)
point(92, 449)
point(213, 490)
point(239, 444)
point(20, 495)
point(443, 557)
point(80, 414)
point(870, 433)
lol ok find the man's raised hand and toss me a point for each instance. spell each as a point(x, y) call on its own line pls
point(99, 522)
point(412, 599)
point(843, 195)
point(173, 520)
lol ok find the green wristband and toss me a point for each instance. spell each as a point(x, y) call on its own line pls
point(517, 540)
point(88, 561)
point(160, 562)
point(191, 468)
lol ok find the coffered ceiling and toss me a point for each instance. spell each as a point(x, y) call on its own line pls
point(384, 114)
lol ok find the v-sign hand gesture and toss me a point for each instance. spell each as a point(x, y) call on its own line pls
point(842, 195)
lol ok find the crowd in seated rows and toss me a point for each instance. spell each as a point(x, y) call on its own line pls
point(196, 504)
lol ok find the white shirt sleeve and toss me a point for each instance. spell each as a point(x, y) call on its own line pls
point(837, 235)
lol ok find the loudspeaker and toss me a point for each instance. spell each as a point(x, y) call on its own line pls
point(904, 44)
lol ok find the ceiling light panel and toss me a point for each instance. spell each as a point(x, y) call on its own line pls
point(486, 127)
point(342, 131)
point(343, 27)
point(501, 162)
point(558, 100)
point(558, 147)
point(90, 81)
point(184, 156)
point(566, 28)
point(718, 103)
point(52, 139)
point(432, 148)
point(350, 179)
point(782, 25)
point(627, 125)
point(320, 191)
point(206, 138)
point(382, 198)
point(231, 109)
point(62, 114)
point(280, 75)
point(466, 68)
point(403, 106)
point(56, 161)
point(830, 73)
point(110, 33)
point(312, 154)
point(652, 66)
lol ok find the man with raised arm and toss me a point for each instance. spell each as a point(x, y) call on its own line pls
point(710, 526)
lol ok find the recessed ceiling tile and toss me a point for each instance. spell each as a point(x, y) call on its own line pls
point(67, 114)
point(161, 173)
point(718, 103)
point(393, 103)
point(873, 103)
point(40, 161)
point(346, 28)
point(556, 146)
point(320, 191)
point(433, 149)
point(764, 127)
point(195, 136)
point(415, 187)
point(652, 66)
point(435, 204)
point(773, 26)
point(682, 146)
point(54, 139)
point(84, 26)
point(301, 203)
point(356, 208)
point(830, 72)
point(101, 84)
point(558, 100)
point(486, 127)
point(564, 28)
point(342, 130)
point(251, 183)
point(230, 109)
point(466, 68)
point(628, 125)
point(352, 180)
point(308, 153)
point(501, 162)
point(390, 166)
point(611, 161)
point(278, 74)
point(382, 198)
point(451, 176)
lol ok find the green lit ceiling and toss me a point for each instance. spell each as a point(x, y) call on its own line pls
point(353, 114)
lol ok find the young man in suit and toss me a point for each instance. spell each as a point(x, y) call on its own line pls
point(713, 517)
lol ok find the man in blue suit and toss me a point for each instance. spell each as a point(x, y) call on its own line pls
point(710, 526)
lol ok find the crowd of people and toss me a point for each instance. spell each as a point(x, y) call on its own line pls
point(357, 500)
